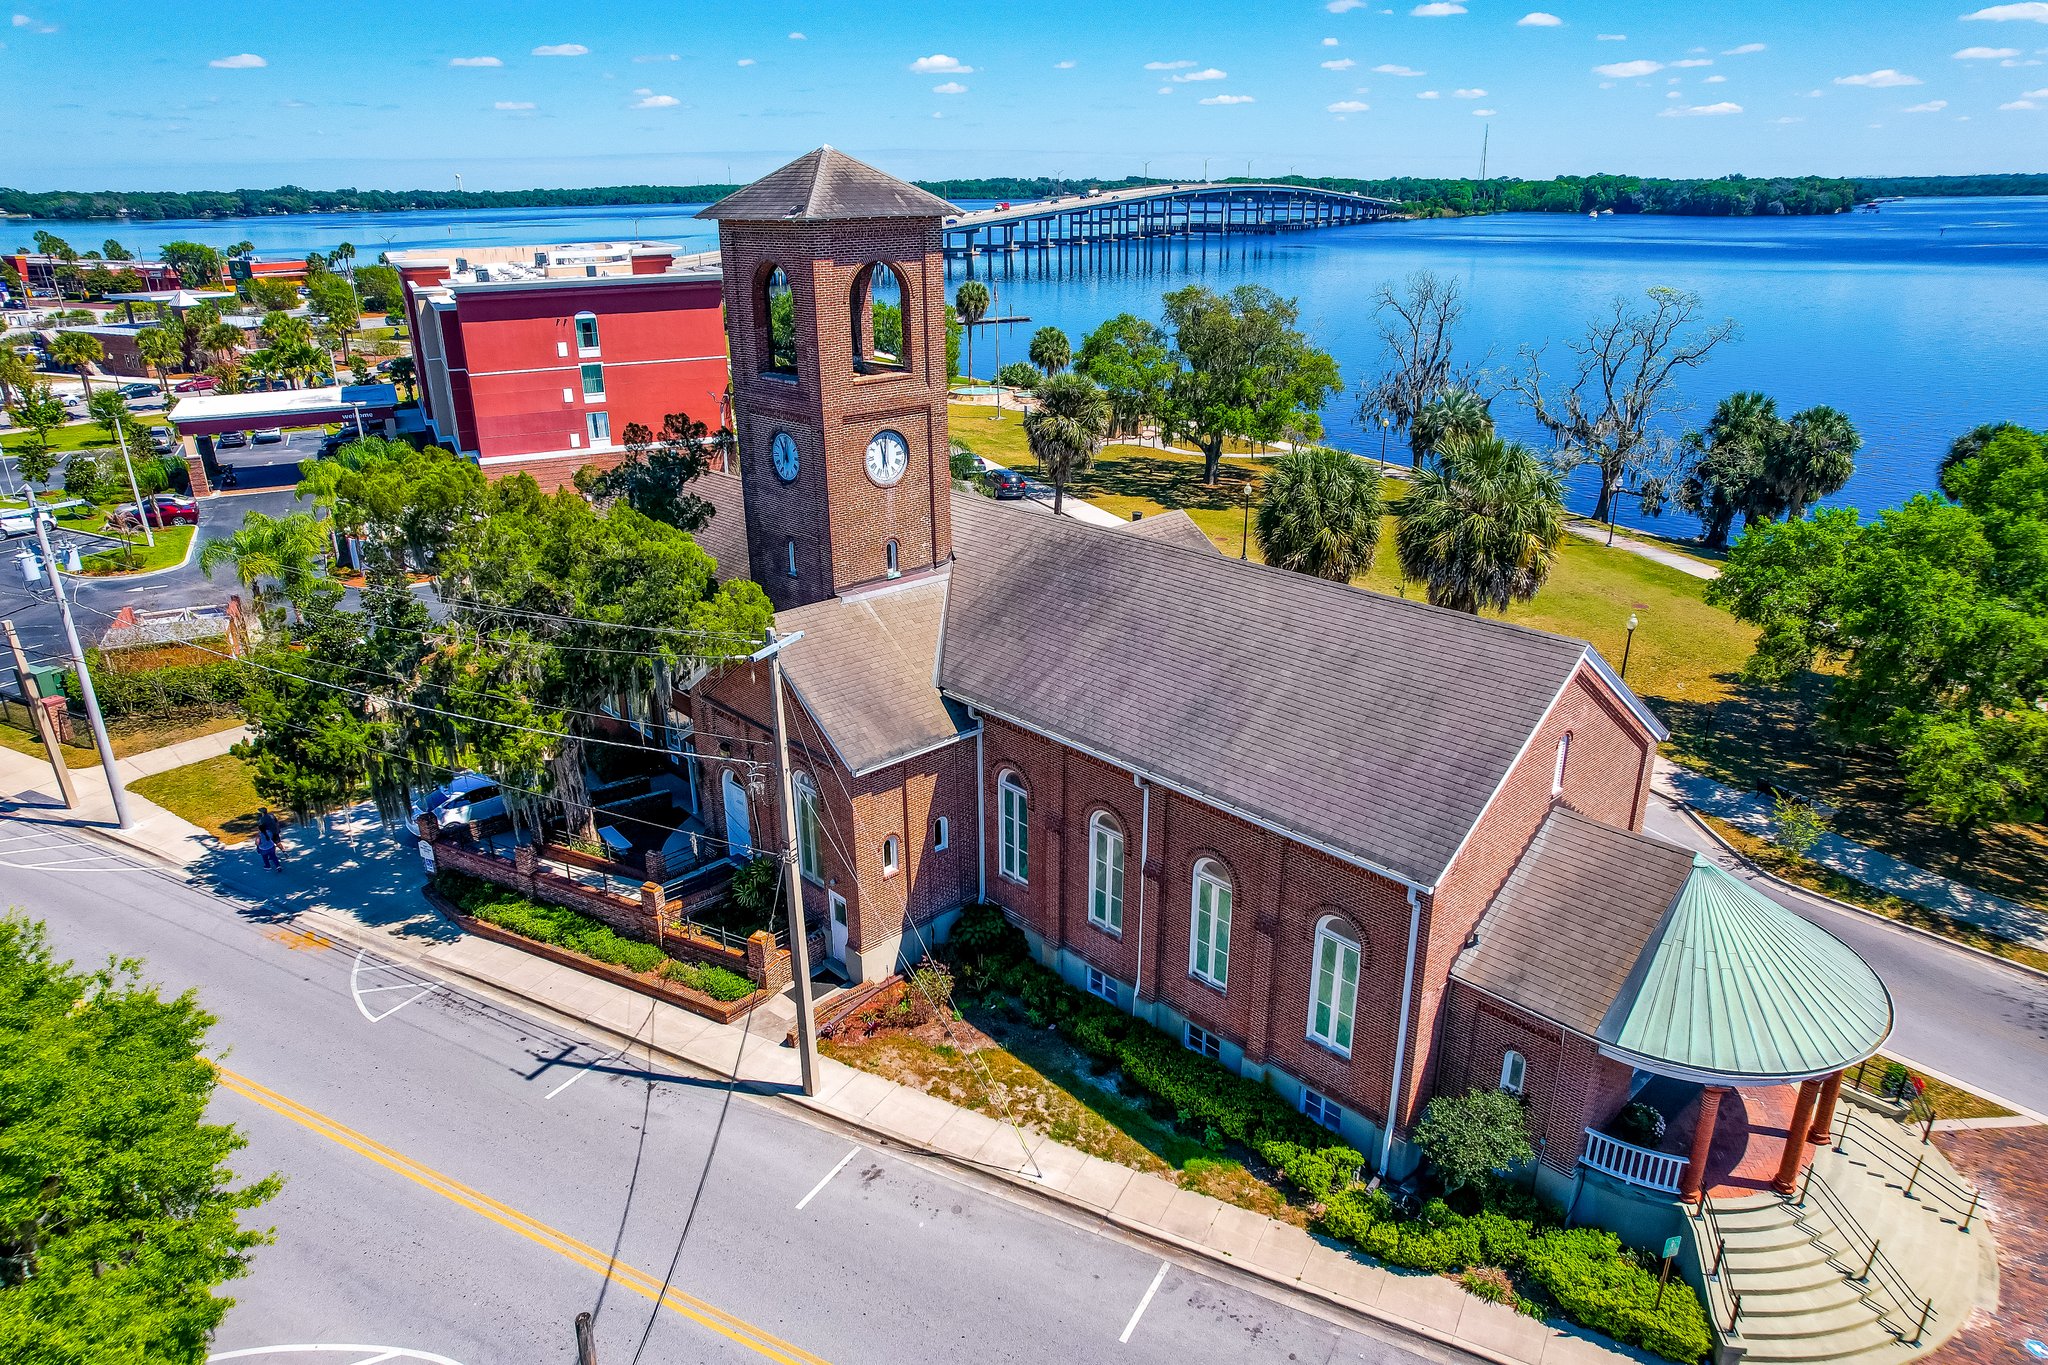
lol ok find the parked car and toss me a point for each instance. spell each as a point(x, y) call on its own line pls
point(231, 440)
point(269, 436)
point(15, 522)
point(165, 509)
point(198, 383)
point(1006, 483)
point(138, 390)
point(333, 441)
point(161, 440)
point(467, 800)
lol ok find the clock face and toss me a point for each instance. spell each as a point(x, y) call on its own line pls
point(783, 451)
point(888, 457)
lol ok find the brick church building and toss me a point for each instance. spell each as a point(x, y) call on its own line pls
point(1360, 847)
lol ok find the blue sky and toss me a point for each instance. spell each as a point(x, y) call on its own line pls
point(511, 93)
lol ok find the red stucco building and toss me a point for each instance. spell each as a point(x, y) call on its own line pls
point(536, 359)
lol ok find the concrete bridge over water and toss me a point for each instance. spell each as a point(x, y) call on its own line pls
point(1150, 212)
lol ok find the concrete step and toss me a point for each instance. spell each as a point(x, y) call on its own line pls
point(1840, 1319)
point(1771, 1281)
point(1871, 1344)
point(1787, 1301)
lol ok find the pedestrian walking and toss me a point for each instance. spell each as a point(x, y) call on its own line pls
point(266, 823)
point(266, 844)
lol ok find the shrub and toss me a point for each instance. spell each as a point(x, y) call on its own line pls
point(716, 982)
point(931, 983)
point(1600, 1285)
point(1488, 1282)
point(1640, 1124)
point(1471, 1135)
point(162, 691)
point(1020, 374)
point(753, 886)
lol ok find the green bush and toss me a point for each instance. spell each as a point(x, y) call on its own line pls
point(1600, 1285)
point(1469, 1136)
point(716, 982)
point(161, 691)
point(753, 887)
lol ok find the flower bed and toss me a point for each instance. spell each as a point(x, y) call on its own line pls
point(585, 943)
point(1584, 1274)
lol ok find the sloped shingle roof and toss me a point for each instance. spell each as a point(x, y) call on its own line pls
point(827, 184)
point(724, 537)
point(1375, 726)
point(1174, 528)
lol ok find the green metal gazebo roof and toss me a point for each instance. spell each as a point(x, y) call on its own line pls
point(1735, 988)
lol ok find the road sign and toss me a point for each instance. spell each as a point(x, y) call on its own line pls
point(1671, 1248)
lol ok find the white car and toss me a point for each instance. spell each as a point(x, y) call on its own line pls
point(267, 436)
point(467, 799)
point(15, 521)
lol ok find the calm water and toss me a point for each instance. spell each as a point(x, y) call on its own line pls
point(1919, 322)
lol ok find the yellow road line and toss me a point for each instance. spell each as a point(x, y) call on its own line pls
point(733, 1328)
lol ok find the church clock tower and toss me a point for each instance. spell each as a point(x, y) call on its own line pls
point(835, 322)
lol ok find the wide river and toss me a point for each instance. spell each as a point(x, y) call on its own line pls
point(1919, 321)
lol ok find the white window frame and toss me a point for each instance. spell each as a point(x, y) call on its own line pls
point(942, 830)
point(591, 422)
point(810, 847)
point(790, 546)
point(1103, 986)
point(1514, 1073)
point(1197, 1039)
point(1013, 827)
point(1321, 1109)
point(1209, 929)
point(1332, 1019)
point(892, 856)
point(1106, 874)
point(591, 395)
point(1564, 749)
point(596, 337)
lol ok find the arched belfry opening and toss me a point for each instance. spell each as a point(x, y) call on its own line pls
point(774, 314)
point(876, 308)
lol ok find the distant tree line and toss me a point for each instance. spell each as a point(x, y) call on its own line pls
point(1728, 196)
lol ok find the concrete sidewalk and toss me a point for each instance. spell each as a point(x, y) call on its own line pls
point(1751, 813)
point(1685, 564)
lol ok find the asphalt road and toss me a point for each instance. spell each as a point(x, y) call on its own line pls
point(441, 1152)
point(1971, 1018)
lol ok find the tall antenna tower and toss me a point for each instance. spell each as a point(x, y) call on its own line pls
point(1485, 145)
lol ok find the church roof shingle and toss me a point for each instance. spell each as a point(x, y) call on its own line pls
point(827, 184)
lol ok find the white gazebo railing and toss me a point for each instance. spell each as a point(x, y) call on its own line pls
point(1657, 1171)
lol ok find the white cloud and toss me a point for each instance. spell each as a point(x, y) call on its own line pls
point(658, 57)
point(1168, 66)
point(2041, 94)
point(949, 88)
point(474, 61)
point(293, 104)
point(655, 102)
point(1702, 110)
point(1674, 94)
point(2019, 104)
point(1610, 37)
point(1166, 90)
point(2021, 61)
point(561, 50)
point(241, 61)
point(1437, 9)
point(1392, 69)
point(1743, 50)
point(1343, 6)
point(1931, 107)
point(1230, 99)
point(1694, 61)
point(939, 64)
point(22, 21)
point(1985, 54)
point(798, 37)
point(1622, 71)
point(2035, 10)
point(1207, 73)
point(1879, 80)
point(1429, 95)
point(746, 61)
point(937, 114)
point(1349, 107)
point(1471, 93)
point(1063, 66)
point(1789, 118)
point(1331, 42)
point(1483, 113)
point(1341, 64)
point(1538, 19)
point(513, 106)
point(1714, 80)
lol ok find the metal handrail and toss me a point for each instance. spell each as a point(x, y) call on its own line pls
point(1724, 1305)
point(1928, 1182)
point(1881, 1279)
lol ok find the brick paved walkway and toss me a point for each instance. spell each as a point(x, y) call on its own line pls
point(2011, 1166)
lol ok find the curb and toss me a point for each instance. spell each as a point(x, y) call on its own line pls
point(2037, 973)
point(191, 546)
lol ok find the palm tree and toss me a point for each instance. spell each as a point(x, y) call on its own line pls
point(1481, 527)
point(16, 374)
point(282, 550)
point(1819, 456)
point(160, 349)
point(1066, 429)
point(1319, 513)
point(402, 373)
point(1050, 350)
point(1449, 414)
point(971, 301)
point(77, 351)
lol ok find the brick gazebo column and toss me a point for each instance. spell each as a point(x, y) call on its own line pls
point(1824, 1114)
point(1695, 1177)
point(1787, 1181)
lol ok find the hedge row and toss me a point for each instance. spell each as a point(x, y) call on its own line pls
point(1594, 1280)
point(158, 691)
point(565, 928)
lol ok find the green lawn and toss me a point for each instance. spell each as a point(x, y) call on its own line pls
point(217, 794)
point(171, 544)
point(128, 735)
point(77, 436)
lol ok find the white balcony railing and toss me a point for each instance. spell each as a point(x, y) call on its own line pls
point(1640, 1166)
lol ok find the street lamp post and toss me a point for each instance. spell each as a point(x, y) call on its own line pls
point(1628, 645)
point(1386, 424)
point(1244, 541)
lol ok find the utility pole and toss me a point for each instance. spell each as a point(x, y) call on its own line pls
point(586, 1344)
point(45, 727)
point(92, 701)
point(792, 875)
point(121, 430)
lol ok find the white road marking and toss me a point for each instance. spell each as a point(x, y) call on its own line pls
point(828, 1179)
point(378, 1359)
point(379, 1353)
point(358, 990)
point(1143, 1304)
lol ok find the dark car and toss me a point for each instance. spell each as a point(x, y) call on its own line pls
point(231, 440)
point(138, 390)
point(199, 383)
point(165, 509)
point(161, 440)
point(1006, 483)
point(333, 441)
